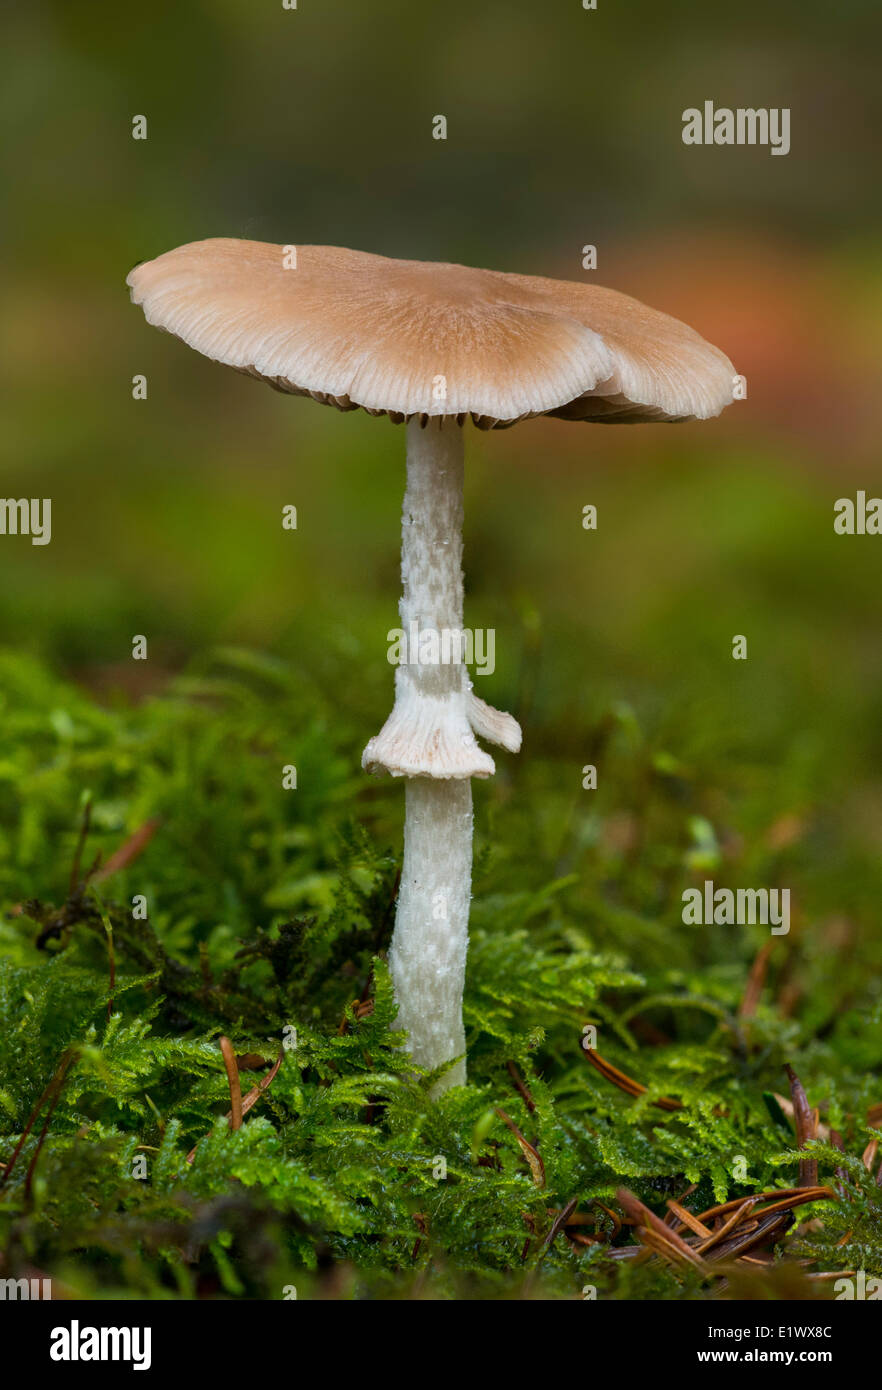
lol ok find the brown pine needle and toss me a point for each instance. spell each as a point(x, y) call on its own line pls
point(560, 1221)
point(766, 1231)
point(78, 852)
point(521, 1086)
point(794, 1196)
point(614, 1217)
point(360, 1008)
point(670, 1219)
point(421, 1221)
point(537, 1167)
point(626, 1083)
point(687, 1219)
point(806, 1121)
point(755, 981)
point(746, 1236)
point(728, 1226)
point(129, 851)
point(654, 1241)
point(250, 1100)
point(51, 1093)
point(821, 1131)
point(229, 1057)
point(530, 1224)
point(263, 1085)
point(672, 1246)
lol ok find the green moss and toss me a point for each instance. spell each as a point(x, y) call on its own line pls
point(268, 915)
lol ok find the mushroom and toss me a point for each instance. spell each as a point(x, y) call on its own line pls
point(428, 345)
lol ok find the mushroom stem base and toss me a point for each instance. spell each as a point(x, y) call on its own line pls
point(428, 953)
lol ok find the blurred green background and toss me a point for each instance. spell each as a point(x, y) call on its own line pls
point(564, 126)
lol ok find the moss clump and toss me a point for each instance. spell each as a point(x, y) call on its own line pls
point(262, 915)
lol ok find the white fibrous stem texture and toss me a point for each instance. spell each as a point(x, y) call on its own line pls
point(427, 958)
point(429, 738)
point(431, 730)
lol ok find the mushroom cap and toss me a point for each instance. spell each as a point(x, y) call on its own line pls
point(406, 338)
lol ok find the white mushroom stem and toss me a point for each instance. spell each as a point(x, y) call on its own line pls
point(430, 738)
point(428, 953)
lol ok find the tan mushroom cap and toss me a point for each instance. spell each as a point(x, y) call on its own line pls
point(406, 338)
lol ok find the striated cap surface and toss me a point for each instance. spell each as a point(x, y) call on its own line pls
point(418, 338)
